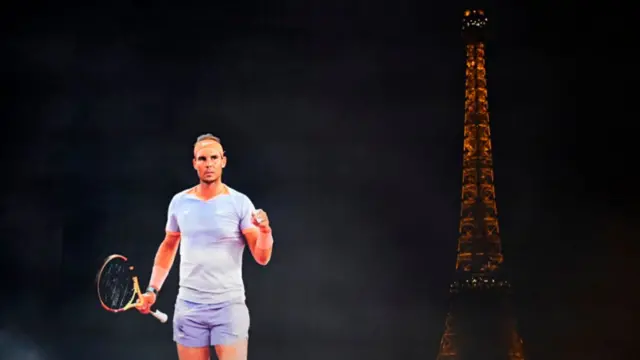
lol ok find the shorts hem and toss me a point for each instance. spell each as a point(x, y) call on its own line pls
point(191, 344)
point(229, 340)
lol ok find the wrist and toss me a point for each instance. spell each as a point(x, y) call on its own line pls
point(151, 289)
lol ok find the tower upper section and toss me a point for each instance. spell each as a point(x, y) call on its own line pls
point(474, 25)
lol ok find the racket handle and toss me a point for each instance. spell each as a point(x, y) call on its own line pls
point(162, 317)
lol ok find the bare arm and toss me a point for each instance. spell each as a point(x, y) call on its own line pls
point(260, 241)
point(164, 259)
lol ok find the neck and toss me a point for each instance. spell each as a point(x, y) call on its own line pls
point(208, 191)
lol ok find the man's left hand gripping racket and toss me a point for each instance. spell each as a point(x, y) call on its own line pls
point(118, 287)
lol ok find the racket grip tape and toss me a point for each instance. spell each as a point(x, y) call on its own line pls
point(162, 317)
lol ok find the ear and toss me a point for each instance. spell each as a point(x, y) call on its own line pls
point(194, 164)
point(224, 161)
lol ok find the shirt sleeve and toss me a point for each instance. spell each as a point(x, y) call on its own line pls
point(172, 220)
point(246, 210)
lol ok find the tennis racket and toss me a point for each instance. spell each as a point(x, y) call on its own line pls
point(118, 287)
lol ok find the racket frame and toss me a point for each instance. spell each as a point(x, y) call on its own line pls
point(134, 302)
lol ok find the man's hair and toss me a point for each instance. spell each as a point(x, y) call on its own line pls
point(208, 137)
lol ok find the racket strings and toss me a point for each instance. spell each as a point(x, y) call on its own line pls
point(116, 285)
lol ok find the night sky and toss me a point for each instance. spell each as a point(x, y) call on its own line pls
point(343, 120)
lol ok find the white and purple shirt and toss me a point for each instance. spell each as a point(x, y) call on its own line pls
point(212, 244)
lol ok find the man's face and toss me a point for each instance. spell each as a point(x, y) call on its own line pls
point(209, 160)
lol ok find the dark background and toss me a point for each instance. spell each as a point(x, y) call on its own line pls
point(343, 120)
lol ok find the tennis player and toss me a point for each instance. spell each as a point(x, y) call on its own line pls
point(211, 223)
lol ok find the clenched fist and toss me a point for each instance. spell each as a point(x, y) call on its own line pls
point(261, 220)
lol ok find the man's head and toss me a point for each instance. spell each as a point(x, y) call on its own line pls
point(208, 158)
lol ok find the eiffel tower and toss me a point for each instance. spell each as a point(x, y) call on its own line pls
point(479, 324)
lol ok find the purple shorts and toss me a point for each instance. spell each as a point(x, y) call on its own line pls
point(200, 325)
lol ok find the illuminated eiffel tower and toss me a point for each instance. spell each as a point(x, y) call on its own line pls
point(479, 325)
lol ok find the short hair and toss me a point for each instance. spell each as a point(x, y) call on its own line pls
point(204, 137)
